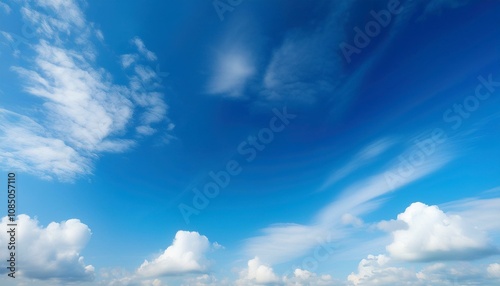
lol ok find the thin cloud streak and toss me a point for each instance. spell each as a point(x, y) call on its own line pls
point(357, 200)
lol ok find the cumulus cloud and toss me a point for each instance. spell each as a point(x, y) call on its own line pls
point(455, 274)
point(382, 270)
point(51, 252)
point(257, 273)
point(185, 255)
point(122, 277)
point(302, 277)
point(433, 235)
point(204, 280)
point(375, 270)
point(282, 242)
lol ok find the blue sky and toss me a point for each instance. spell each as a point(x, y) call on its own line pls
point(252, 142)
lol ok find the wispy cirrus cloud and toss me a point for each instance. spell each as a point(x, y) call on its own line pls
point(6, 8)
point(30, 150)
point(83, 106)
point(83, 111)
point(144, 83)
point(304, 68)
point(231, 73)
point(141, 47)
point(328, 224)
point(480, 212)
point(361, 158)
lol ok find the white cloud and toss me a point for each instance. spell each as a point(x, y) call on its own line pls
point(83, 112)
point(382, 270)
point(61, 18)
point(7, 36)
point(31, 151)
point(99, 35)
point(127, 59)
point(302, 277)
point(143, 83)
point(69, 11)
point(146, 74)
point(217, 246)
point(482, 213)
point(170, 126)
point(141, 47)
point(121, 277)
point(51, 252)
point(232, 71)
point(257, 273)
point(434, 235)
point(84, 108)
point(349, 219)
point(374, 270)
point(145, 130)
point(185, 255)
point(283, 242)
point(494, 270)
point(454, 274)
point(154, 108)
point(204, 280)
point(363, 157)
point(391, 225)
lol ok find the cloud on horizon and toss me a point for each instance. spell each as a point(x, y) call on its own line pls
point(185, 255)
point(329, 222)
point(51, 252)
